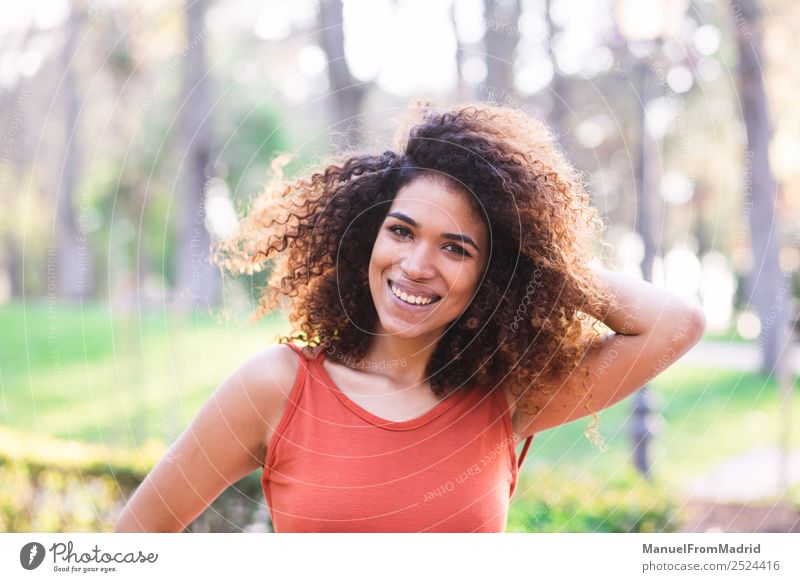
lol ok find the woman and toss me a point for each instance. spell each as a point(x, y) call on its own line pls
point(449, 307)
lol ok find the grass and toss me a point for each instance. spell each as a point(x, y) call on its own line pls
point(90, 374)
point(730, 335)
point(707, 415)
point(93, 375)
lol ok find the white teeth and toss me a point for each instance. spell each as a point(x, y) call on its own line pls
point(408, 298)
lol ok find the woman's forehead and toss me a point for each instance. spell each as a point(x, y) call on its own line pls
point(431, 201)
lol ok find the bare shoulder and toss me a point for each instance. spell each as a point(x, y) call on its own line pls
point(270, 371)
point(268, 377)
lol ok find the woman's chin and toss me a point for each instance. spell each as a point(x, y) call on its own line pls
point(401, 329)
point(402, 332)
point(407, 330)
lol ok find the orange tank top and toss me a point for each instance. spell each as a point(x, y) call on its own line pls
point(332, 466)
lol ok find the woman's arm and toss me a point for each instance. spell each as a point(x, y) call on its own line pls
point(651, 327)
point(224, 442)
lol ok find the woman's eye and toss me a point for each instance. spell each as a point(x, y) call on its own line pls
point(401, 231)
point(459, 250)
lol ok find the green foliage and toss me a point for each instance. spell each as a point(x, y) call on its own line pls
point(559, 501)
point(256, 136)
point(48, 485)
point(793, 495)
point(40, 454)
point(52, 500)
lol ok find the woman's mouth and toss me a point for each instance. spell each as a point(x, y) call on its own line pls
point(409, 299)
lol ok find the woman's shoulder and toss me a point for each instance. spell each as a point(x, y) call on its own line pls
point(281, 362)
point(308, 352)
point(269, 374)
point(268, 378)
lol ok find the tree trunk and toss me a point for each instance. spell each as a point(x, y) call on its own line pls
point(12, 265)
point(74, 268)
point(768, 285)
point(197, 281)
point(345, 92)
point(463, 89)
point(559, 93)
point(645, 183)
point(12, 109)
point(501, 38)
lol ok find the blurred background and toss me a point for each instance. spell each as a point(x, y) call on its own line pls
point(132, 133)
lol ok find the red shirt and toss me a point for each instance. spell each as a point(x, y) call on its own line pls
point(332, 466)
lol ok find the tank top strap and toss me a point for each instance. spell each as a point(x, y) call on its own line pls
point(524, 451)
point(298, 350)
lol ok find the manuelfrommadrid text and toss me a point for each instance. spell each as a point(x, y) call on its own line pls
point(693, 549)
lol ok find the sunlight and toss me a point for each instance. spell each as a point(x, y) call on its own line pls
point(408, 46)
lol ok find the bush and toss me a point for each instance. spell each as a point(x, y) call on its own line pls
point(559, 501)
point(47, 485)
point(45, 500)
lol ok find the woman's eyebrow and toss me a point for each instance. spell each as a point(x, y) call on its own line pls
point(448, 235)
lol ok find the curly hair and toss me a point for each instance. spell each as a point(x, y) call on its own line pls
point(528, 322)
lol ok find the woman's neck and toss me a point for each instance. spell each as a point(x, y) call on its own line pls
point(402, 360)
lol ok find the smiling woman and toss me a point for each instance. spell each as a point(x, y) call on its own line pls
point(464, 256)
point(420, 279)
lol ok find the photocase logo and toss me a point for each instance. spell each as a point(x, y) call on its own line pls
point(31, 555)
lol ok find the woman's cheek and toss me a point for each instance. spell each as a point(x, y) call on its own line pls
point(383, 248)
point(378, 254)
point(388, 253)
point(459, 278)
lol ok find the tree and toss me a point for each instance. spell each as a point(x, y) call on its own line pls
point(767, 283)
point(74, 269)
point(559, 88)
point(197, 281)
point(346, 94)
point(501, 39)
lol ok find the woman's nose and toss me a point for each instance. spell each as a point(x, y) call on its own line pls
point(417, 263)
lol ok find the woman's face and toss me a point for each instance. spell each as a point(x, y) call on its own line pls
point(432, 253)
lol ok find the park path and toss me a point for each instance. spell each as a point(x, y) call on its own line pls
point(733, 356)
point(731, 495)
point(754, 474)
